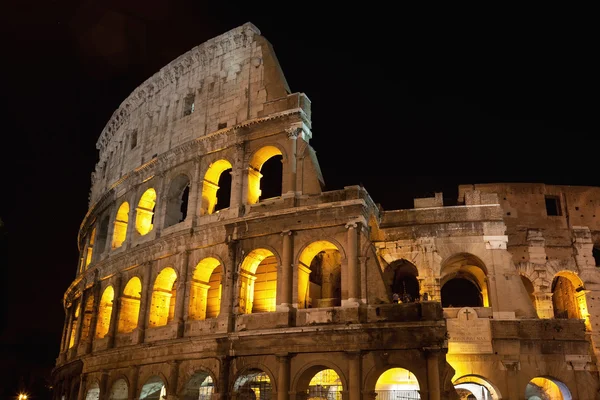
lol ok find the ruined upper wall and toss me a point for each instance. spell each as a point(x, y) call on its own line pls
point(230, 79)
point(524, 204)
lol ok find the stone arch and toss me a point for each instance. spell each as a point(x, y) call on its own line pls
point(120, 225)
point(397, 381)
point(568, 297)
point(301, 381)
point(144, 213)
point(205, 289)
point(105, 311)
point(320, 275)
point(199, 386)
point(419, 371)
point(547, 388)
point(93, 390)
point(480, 381)
point(75, 311)
point(153, 388)
point(176, 209)
point(257, 160)
point(119, 388)
point(88, 311)
point(251, 377)
point(258, 281)
point(401, 277)
point(463, 281)
point(164, 293)
point(210, 186)
point(130, 305)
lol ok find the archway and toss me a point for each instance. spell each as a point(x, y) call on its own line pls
point(153, 389)
point(104, 312)
point(216, 188)
point(205, 290)
point(397, 383)
point(119, 390)
point(547, 388)
point(463, 282)
point(320, 276)
point(477, 387)
point(162, 308)
point(93, 392)
point(130, 306)
point(258, 282)
point(401, 277)
point(120, 225)
point(254, 173)
point(253, 384)
point(144, 218)
point(177, 200)
point(199, 387)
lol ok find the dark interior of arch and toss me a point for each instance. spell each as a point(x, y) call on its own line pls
point(402, 278)
point(184, 203)
point(461, 292)
point(224, 192)
point(272, 175)
point(596, 254)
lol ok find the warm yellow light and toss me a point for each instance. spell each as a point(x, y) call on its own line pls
point(145, 212)
point(254, 175)
point(120, 230)
point(211, 185)
point(163, 297)
point(22, 396)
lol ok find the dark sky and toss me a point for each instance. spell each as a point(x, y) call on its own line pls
point(509, 94)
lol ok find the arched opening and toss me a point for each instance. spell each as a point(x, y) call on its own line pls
point(477, 387)
point(216, 188)
point(254, 384)
point(464, 282)
point(162, 308)
point(568, 298)
point(93, 392)
point(90, 247)
point(104, 312)
point(75, 309)
point(199, 387)
point(320, 276)
point(397, 383)
point(144, 218)
point(88, 311)
point(596, 255)
point(153, 389)
point(205, 290)
point(401, 278)
point(119, 390)
point(325, 385)
point(546, 388)
point(258, 282)
point(130, 306)
point(120, 229)
point(272, 184)
point(101, 237)
point(177, 201)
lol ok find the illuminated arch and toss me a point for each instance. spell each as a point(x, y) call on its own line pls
point(568, 297)
point(199, 386)
point(130, 306)
point(210, 186)
point(93, 391)
point(76, 310)
point(162, 308)
point(205, 289)
point(176, 209)
point(104, 312)
point(119, 390)
point(474, 383)
point(120, 227)
point(397, 382)
point(254, 175)
point(542, 388)
point(253, 383)
point(319, 275)
point(258, 282)
point(464, 282)
point(153, 389)
point(87, 317)
point(321, 380)
point(144, 217)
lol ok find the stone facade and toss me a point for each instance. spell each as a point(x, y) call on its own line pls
point(192, 288)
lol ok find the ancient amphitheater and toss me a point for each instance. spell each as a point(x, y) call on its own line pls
point(194, 283)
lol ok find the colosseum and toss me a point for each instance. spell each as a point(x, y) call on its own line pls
point(214, 265)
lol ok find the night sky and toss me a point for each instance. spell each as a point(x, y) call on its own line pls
point(510, 94)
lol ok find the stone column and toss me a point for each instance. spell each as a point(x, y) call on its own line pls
point(173, 380)
point(78, 328)
point(283, 376)
point(82, 391)
point(71, 315)
point(223, 382)
point(433, 373)
point(144, 302)
point(512, 378)
point(353, 271)
point(104, 389)
point(292, 134)
point(227, 294)
point(94, 319)
point(543, 305)
point(363, 280)
point(114, 315)
point(63, 343)
point(237, 178)
point(193, 210)
point(354, 375)
point(284, 300)
point(134, 376)
point(182, 287)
